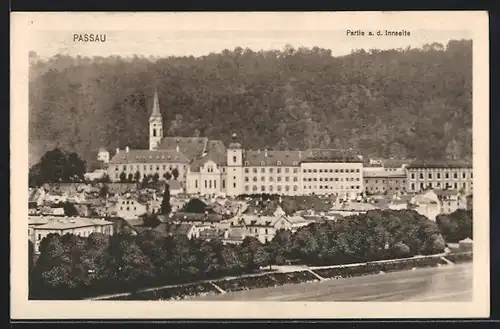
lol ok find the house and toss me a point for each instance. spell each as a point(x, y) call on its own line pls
point(451, 200)
point(129, 208)
point(351, 208)
point(40, 227)
point(52, 211)
point(188, 230)
point(235, 235)
point(427, 205)
point(381, 180)
point(95, 175)
point(469, 202)
point(36, 197)
point(175, 187)
point(466, 244)
point(196, 218)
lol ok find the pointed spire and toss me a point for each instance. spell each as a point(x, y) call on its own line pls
point(156, 106)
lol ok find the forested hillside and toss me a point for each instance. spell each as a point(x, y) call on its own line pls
point(401, 103)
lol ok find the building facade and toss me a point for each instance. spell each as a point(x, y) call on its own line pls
point(207, 167)
point(456, 176)
point(380, 180)
point(41, 226)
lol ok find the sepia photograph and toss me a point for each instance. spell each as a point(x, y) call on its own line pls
point(186, 162)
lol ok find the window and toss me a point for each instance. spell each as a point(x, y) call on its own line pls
point(127, 208)
point(234, 159)
point(412, 176)
point(278, 178)
point(430, 175)
point(421, 176)
point(463, 175)
point(270, 188)
point(413, 186)
point(262, 170)
point(254, 179)
point(447, 175)
point(295, 179)
point(455, 175)
point(287, 188)
point(279, 163)
point(234, 185)
point(246, 179)
point(321, 170)
point(295, 170)
point(271, 170)
point(287, 179)
point(262, 188)
point(271, 179)
point(254, 188)
point(196, 183)
point(263, 179)
point(254, 170)
point(39, 236)
point(278, 170)
point(246, 188)
point(210, 184)
point(223, 183)
point(438, 175)
point(279, 188)
point(295, 187)
point(206, 184)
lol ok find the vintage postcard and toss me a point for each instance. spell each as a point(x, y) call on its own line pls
point(218, 165)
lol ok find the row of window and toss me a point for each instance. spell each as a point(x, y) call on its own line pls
point(151, 167)
point(271, 170)
point(390, 181)
point(382, 188)
point(210, 183)
point(331, 170)
point(127, 208)
point(438, 185)
point(331, 179)
point(438, 175)
point(263, 163)
point(271, 179)
point(330, 187)
point(270, 188)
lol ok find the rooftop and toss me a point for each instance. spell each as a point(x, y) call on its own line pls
point(147, 156)
point(64, 223)
point(443, 164)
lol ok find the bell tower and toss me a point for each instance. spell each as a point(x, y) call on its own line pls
point(155, 124)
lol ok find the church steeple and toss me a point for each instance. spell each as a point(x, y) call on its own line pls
point(155, 124)
point(156, 107)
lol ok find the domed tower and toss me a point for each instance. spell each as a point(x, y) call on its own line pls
point(155, 124)
point(234, 168)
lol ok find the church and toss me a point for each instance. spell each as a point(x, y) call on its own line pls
point(207, 167)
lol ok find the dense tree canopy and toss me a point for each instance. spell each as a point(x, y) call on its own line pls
point(71, 266)
point(57, 166)
point(456, 226)
point(401, 102)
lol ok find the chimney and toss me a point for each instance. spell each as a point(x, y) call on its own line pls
point(265, 152)
point(126, 149)
point(117, 150)
point(177, 148)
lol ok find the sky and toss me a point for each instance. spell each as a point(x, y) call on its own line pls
point(198, 35)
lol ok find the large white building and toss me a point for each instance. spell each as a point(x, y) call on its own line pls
point(207, 167)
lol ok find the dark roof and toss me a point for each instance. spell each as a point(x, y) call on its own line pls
point(147, 156)
point(216, 152)
point(395, 163)
point(195, 217)
point(271, 158)
point(174, 184)
point(192, 147)
point(384, 174)
point(436, 164)
point(331, 155)
point(174, 229)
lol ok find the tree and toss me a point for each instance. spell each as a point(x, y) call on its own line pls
point(167, 176)
point(75, 167)
point(156, 177)
point(455, 226)
point(103, 191)
point(175, 173)
point(123, 177)
point(166, 208)
point(70, 209)
point(253, 254)
point(195, 206)
point(130, 178)
point(137, 176)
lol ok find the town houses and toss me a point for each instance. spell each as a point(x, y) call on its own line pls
point(229, 178)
